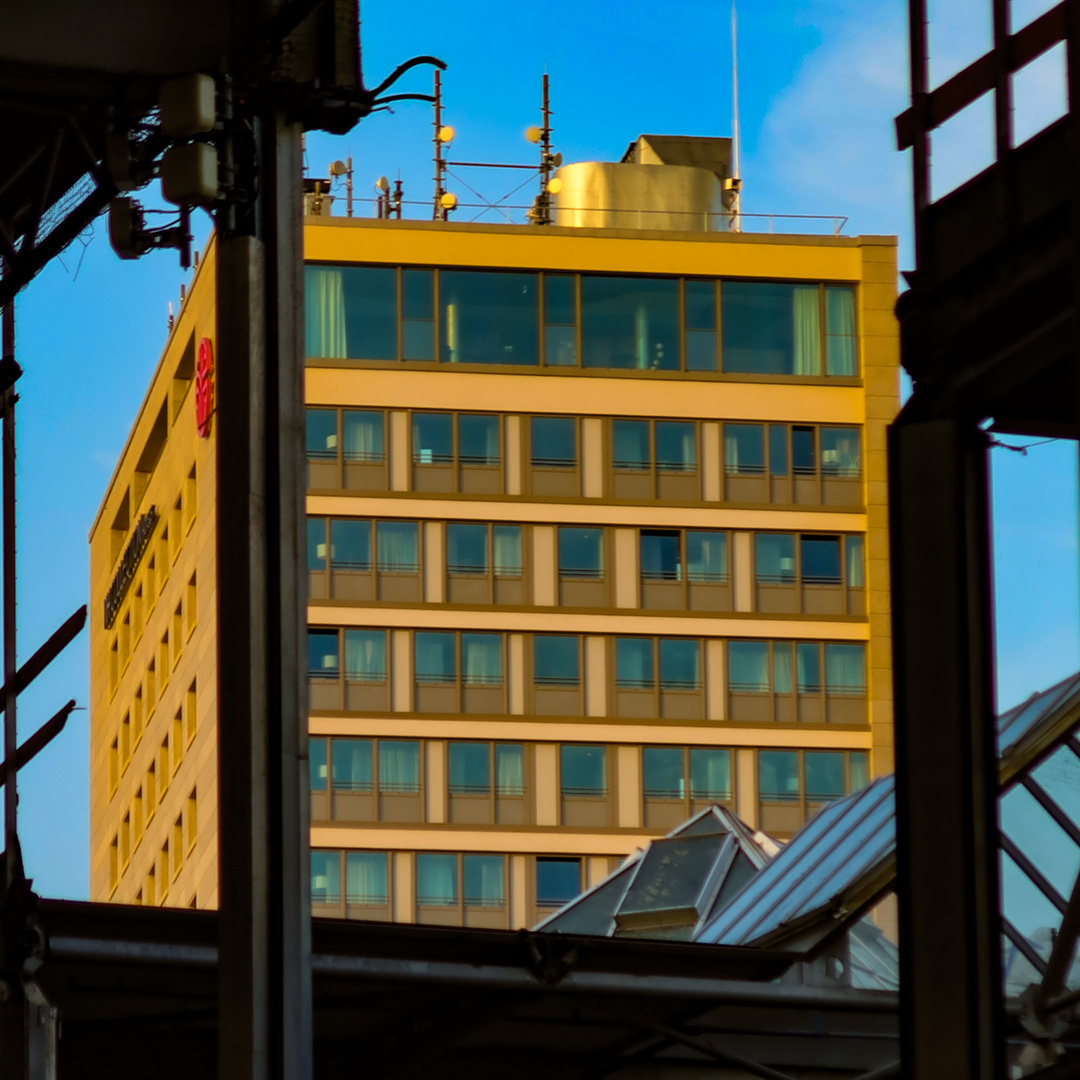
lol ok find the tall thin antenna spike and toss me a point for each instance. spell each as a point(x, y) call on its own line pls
point(735, 174)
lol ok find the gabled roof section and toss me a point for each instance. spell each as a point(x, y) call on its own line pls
point(1034, 727)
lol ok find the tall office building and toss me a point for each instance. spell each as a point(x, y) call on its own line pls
point(596, 537)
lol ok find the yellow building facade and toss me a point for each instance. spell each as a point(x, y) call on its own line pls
point(596, 536)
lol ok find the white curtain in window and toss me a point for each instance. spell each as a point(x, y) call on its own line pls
point(839, 331)
point(509, 770)
point(507, 550)
point(365, 655)
point(855, 574)
point(436, 879)
point(365, 877)
point(845, 669)
point(399, 767)
point(807, 330)
point(324, 313)
point(484, 880)
point(710, 774)
point(397, 547)
point(363, 437)
point(781, 661)
point(481, 659)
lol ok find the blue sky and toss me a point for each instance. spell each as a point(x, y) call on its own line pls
point(820, 81)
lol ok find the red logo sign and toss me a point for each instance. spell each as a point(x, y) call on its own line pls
point(204, 387)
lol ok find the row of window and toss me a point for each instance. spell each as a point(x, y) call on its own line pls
point(165, 867)
point(498, 783)
point(622, 322)
point(567, 456)
point(685, 569)
point(670, 677)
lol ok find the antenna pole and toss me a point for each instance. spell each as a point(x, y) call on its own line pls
point(440, 165)
point(543, 202)
point(348, 186)
point(736, 180)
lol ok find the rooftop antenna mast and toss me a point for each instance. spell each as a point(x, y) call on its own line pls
point(540, 214)
point(444, 201)
point(734, 183)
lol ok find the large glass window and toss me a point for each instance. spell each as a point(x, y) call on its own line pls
point(317, 764)
point(470, 768)
point(558, 881)
point(680, 664)
point(489, 317)
point(778, 450)
point(840, 451)
point(418, 314)
point(484, 880)
point(824, 775)
point(808, 662)
point(634, 663)
point(432, 439)
point(435, 657)
point(350, 312)
point(710, 774)
point(770, 328)
point(436, 880)
point(556, 660)
point(820, 559)
point(509, 769)
point(364, 436)
point(322, 434)
point(560, 322)
point(316, 543)
point(350, 544)
point(581, 552)
point(366, 878)
point(774, 558)
point(323, 653)
point(744, 449)
point(553, 441)
point(803, 455)
point(630, 441)
point(399, 766)
point(398, 547)
point(507, 541)
point(352, 765)
point(676, 447)
point(706, 557)
point(466, 549)
point(365, 655)
point(481, 659)
point(660, 556)
point(325, 877)
point(840, 330)
point(663, 777)
point(700, 317)
point(845, 669)
point(858, 770)
point(583, 770)
point(478, 439)
point(629, 322)
point(778, 775)
point(748, 666)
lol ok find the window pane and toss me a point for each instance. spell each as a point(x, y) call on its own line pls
point(399, 766)
point(840, 451)
point(470, 768)
point(803, 457)
point(466, 549)
point(845, 670)
point(748, 667)
point(432, 438)
point(553, 441)
point(435, 657)
point(366, 878)
point(853, 557)
point(363, 432)
point(322, 434)
point(325, 877)
point(700, 318)
point(858, 770)
point(680, 664)
point(660, 560)
point(676, 446)
point(583, 770)
point(365, 655)
point(781, 667)
point(663, 772)
point(820, 557)
point(489, 317)
point(555, 660)
point(418, 314)
point(323, 653)
point(350, 312)
point(634, 663)
point(744, 449)
point(352, 764)
point(770, 328)
point(808, 657)
point(630, 443)
point(774, 558)
point(581, 552)
point(483, 876)
point(706, 556)
point(824, 774)
point(557, 881)
point(778, 774)
point(316, 543)
point(481, 659)
point(436, 880)
point(350, 544)
point(507, 540)
point(478, 440)
point(629, 322)
point(560, 348)
point(509, 769)
point(839, 330)
point(317, 764)
point(710, 775)
point(397, 544)
point(778, 450)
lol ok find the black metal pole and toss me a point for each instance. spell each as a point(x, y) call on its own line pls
point(8, 371)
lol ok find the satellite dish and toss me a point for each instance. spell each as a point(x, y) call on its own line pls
point(554, 186)
point(446, 134)
point(338, 168)
point(382, 184)
point(448, 200)
point(556, 160)
point(533, 134)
